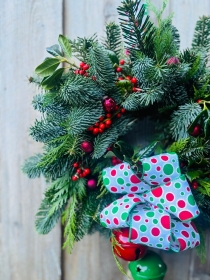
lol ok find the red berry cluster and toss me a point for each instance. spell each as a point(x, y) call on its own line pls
point(115, 161)
point(83, 68)
point(80, 171)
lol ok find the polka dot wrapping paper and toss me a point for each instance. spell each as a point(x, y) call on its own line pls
point(158, 210)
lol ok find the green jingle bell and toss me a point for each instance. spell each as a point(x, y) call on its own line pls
point(151, 267)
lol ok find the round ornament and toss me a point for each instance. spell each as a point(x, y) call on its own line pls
point(109, 104)
point(128, 251)
point(92, 184)
point(149, 268)
point(87, 146)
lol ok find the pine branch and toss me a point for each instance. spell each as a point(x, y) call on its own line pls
point(113, 39)
point(30, 166)
point(201, 37)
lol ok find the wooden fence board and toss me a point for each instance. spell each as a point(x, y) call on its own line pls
point(26, 27)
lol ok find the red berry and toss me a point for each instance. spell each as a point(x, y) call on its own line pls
point(102, 126)
point(86, 171)
point(134, 89)
point(199, 100)
point(116, 108)
point(81, 175)
point(96, 124)
point(197, 131)
point(81, 64)
point(195, 185)
point(134, 80)
point(122, 62)
point(74, 178)
point(78, 171)
point(86, 74)
point(114, 160)
point(95, 131)
point(119, 161)
point(118, 69)
point(109, 149)
point(108, 115)
point(120, 78)
point(91, 128)
point(119, 115)
point(76, 72)
point(81, 72)
point(86, 67)
point(94, 78)
point(101, 118)
point(108, 123)
point(128, 77)
point(123, 110)
point(76, 165)
point(101, 130)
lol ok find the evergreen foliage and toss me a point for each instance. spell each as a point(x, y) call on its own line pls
point(152, 79)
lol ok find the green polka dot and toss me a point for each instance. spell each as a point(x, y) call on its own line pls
point(106, 181)
point(126, 173)
point(155, 221)
point(159, 245)
point(128, 184)
point(150, 245)
point(151, 199)
point(173, 209)
point(120, 181)
point(168, 169)
point(161, 175)
point(173, 238)
point(176, 230)
point(188, 243)
point(153, 177)
point(173, 160)
point(106, 212)
point(150, 214)
point(126, 200)
point(115, 202)
point(191, 200)
point(160, 206)
point(178, 170)
point(143, 228)
point(173, 225)
point(115, 210)
point(162, 200)
point(177, 185)
point(160, 211)
point(161, 239)
point(103, 224)
point(182, 177)
point(146, 166)
point(124, 216)
point(193, 234)
point(103, 172)
point(182, 193)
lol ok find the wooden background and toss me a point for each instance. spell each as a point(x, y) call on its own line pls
point(26, 28)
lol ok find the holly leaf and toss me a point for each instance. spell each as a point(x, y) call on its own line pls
point(54, 50)
point(47, 67)
point(65, 45)
point(51, 81)
point(200, 119)
point(147, 151)
point(113, 57)
point(193, 174)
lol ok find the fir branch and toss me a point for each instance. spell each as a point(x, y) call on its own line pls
point(182, 118)
point(201, 37)
point(30, 166)
point(113, 40)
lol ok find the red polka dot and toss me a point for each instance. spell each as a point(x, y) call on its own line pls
point(155, 231)
point(113, 189)
point(181, 203)
point(127, 206)
point(186, 225)
point(195, 229)
point(158, 168)
point(188, 189)
point(136, 199)
point(116, 222)
point(145, 174)
point(164, 158)
point(113, 172)
point(157, 192)
point(144, 239)
point(155, 207)
point(166, 180)
point(185, 233)
point(153, 160)
point(170, 197)
point(168, 184)
point(169, 238)
point(134, 189)
point(101, 216)
point(129, 167)
point(197, 243)
point(185, 215)
point(154, 183)
point(108, 221)
point(182, 243)
point(144, 195)
point(165, 222)
point(122, 188)
point(134, 234)
point(146, 221)
point(121, 166)
point(134, 179)
point(131, 195)
point(197, 212)
point(136, 218)
point(121, 203)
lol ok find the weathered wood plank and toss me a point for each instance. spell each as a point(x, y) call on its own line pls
point(26, 29)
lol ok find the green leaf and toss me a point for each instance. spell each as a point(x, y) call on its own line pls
point(124, 148)
point(54, 50)
point(205, 186)
point(113, 57)
point(51, 81)
point(47, 67)
point(200, 119)
point(65, 45)
point(194, 174)
point(146, 151)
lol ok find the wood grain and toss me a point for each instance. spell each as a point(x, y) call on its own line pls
point(26, 27)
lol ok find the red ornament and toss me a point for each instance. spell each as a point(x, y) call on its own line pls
point(128, 251)
point(195, 185)
point(119, 69)
point(109, 104)
point(87, 146)
point(122, 62)
point(197, 131)
point(92, 184)
point(173, 60)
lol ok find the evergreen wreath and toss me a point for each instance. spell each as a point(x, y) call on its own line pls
point(87, 109)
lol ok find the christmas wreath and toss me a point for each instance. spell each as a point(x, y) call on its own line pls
point(97, 180)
